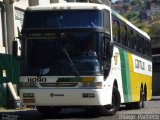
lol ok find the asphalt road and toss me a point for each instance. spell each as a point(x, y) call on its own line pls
point(150, 112)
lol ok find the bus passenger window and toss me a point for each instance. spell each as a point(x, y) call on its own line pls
point(107, 25)
point(143, 46)
point(116, 31)
point(123, 35)
point(131, 40)
point(134, 41)
point(138, 43)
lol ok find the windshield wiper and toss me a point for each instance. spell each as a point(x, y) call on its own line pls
point(71, 62)
point(40, 73)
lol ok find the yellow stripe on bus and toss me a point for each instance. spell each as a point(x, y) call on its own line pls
point(136, 80)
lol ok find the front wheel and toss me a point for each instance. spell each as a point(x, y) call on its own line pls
point(114, 107)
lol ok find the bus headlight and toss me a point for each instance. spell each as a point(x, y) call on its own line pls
point(97, 85)
point(28, 85)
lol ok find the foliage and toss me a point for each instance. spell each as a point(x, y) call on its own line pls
point(125, 7)
point(154, 29)
point(136, 17)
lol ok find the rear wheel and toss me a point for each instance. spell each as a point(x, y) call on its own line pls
point(114, 107)
point(48, 110)
point(138, 105)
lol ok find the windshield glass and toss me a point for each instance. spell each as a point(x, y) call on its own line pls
point(63, 19)
point(47, 56)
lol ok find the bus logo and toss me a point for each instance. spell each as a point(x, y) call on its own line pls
point(116, 58)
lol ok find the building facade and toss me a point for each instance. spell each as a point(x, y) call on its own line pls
point(11, 19)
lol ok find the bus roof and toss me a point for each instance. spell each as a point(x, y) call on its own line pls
point(114, 13)
point(70, 6)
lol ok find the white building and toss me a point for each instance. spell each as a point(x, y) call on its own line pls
point(11, 19)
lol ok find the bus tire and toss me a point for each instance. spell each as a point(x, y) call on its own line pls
point(140, 104)
point(116, 101)
point(48, 110)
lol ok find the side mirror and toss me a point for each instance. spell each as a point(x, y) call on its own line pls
point(15, 48)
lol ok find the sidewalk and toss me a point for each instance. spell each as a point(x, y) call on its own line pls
point(2, 110)
point(155, 98)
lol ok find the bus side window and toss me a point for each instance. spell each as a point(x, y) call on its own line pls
point(149, 48)
point(116, 30)
point(145, 47)
point(106, 55)
point(123, 35)
point(142, 45)
point(107, 22)
point(138, 43)
point(131, 40)
point(104, 48)
point(135, 40)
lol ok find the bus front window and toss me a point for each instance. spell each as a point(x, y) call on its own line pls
point(63, 19)
point(80, 48)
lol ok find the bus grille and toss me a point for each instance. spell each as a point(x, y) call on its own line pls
point(58, 84)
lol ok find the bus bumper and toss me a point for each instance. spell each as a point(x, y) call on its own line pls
point(66, 97)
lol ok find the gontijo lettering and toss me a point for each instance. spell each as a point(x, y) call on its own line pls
point(139, 64)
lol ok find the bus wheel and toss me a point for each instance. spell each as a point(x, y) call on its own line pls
point(116, 100)
point(48, 110)
point(140, 104)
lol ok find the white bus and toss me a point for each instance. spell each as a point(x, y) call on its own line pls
point(72, 56)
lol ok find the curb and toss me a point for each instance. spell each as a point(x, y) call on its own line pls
point(156, 98)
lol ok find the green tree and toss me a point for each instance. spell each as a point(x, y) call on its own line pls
point(154, 29)
point(125, 7)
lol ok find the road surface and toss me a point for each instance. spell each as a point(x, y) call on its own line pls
point(150, 112)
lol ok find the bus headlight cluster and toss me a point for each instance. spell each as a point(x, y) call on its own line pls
point(28, 85)
point(97, 85)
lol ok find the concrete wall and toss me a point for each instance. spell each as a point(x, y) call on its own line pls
point(2, 47)
point(156, 64)
point(156, 84)
point(14, 19)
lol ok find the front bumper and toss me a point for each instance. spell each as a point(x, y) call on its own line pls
point(67, 97)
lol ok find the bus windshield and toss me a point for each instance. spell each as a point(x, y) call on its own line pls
point(63, 19)
point(75, 51)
